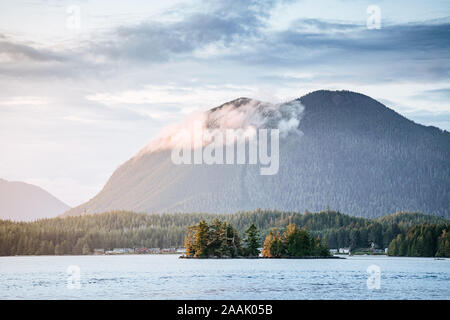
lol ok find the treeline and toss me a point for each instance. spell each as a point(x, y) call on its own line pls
point(293, 242)
point(121, 229)
point(424, 240)
point(221, 239)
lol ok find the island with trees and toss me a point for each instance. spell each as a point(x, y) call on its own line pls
point(221, 240)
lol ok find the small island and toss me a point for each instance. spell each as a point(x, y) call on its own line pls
point(220, 240)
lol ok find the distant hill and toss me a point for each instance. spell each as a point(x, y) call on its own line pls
point(348, 151)
point(21, 201)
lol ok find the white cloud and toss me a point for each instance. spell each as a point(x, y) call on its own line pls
point(20, 101)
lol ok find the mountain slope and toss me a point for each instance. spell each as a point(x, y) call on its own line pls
point(21, 201)
point(347, 151)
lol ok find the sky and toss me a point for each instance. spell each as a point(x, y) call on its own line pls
point(84, 85)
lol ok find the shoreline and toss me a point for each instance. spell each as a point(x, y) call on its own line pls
point(241, 257)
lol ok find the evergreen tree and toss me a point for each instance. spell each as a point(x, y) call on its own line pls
point(59, 250)
point(294, 241)
point(201, 239)
point(86, 250)
point(252, 241)
point(444, 245)
point(273, 245)
point(217, 232)
point(78, 248)
point(189, 240)
point(320, 248)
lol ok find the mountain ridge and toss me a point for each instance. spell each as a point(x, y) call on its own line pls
point(23, 201)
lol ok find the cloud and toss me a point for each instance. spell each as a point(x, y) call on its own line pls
point(17, 52)
point(442, 94)
point(26, 100)
point(224, 22)
point(221, 23)
point(318, 25)
point(237, 33)
point(409, 38)
point(243, 113)
point(344, 48)
point(413, 51)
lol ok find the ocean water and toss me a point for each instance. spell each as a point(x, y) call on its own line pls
point(167, 277)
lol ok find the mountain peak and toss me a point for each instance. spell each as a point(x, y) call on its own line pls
point(38, 204)
point(235, 103)
point(338, 97)
point(332, 93)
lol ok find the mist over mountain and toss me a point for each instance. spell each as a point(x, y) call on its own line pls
point(21, 201)
point(338, 149)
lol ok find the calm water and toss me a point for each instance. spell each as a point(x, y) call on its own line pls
point(167, 277)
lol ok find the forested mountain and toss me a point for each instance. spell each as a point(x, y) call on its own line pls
point(348, 152)
point(75, 235)
point(21, 201)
